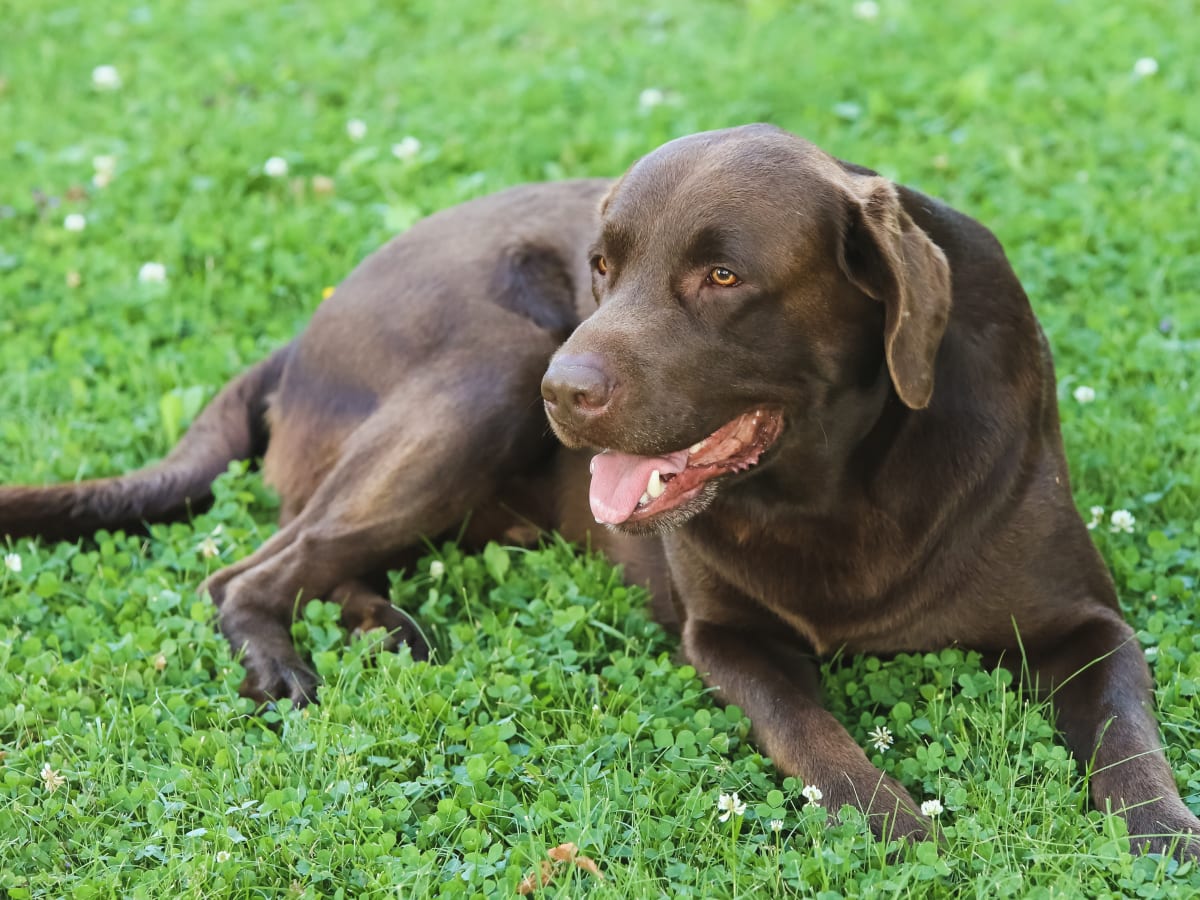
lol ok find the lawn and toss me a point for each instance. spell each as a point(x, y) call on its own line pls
point(149, 251)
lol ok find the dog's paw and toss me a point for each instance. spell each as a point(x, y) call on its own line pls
point(269, 679)
point(1165, 827)
point(889, 810)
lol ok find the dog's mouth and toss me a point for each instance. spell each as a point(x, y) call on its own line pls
point(628, 489)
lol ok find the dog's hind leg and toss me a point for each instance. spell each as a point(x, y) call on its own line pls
point(416, 467)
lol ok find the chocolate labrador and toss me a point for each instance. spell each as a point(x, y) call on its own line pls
point(826, 421)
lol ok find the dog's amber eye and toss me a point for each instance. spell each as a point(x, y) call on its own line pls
point(722, 277)
point(601, 265)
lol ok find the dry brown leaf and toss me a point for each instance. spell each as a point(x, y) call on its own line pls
point(563, 853)
point(589, 865)
point(535, 880)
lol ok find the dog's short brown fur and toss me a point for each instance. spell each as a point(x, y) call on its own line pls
point(875, 462)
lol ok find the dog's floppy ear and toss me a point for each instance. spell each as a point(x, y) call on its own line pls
point(887, 257)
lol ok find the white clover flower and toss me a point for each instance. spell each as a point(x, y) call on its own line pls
point(881, 738)
point(730, 806)
point(849, 110)
point(1122, 520)
point(152, 273)
point(1145, 67)
point(275, 167)
point(437, 569)
point(12, 562)
point(356, 129)
point(812, 794)
point(1097, 513)
point(650, 98)
point(106, 78)
point(222, 856)
point(866, 10)
point(1084, 394)
point(931, 808)
point(407, 148)
point(777, 825)
point(105, 168)
point(51, 779)
point(75, 222)
point(208, 548)
point(160, 661)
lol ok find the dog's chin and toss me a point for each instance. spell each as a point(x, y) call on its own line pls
point(675, 517)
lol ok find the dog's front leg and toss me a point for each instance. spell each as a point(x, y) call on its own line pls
point(777, 685)
point(1100, 688)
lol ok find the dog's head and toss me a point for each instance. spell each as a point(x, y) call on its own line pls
point(758, 301)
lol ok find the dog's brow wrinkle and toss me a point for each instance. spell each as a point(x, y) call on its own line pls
point(709, 244)
point(616, 239)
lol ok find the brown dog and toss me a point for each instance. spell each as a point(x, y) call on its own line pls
point(828, 393)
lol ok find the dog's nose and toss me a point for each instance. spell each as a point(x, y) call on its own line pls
point(577, 386)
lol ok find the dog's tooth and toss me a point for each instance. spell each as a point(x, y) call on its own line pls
point(696, 447)
point(592, 466)
point(645, 498)
point(655, 487)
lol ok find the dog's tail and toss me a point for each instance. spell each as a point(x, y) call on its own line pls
point(233, 426)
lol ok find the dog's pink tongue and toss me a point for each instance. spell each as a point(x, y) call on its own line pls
point(620, 479)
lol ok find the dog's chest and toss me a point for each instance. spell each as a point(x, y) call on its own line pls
point(835, 593)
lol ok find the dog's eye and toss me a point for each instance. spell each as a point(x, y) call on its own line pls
point(722, 277)
point(601, 265)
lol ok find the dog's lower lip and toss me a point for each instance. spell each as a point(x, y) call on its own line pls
point(711, 458)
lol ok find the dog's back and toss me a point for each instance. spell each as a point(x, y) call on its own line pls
point(503, 270)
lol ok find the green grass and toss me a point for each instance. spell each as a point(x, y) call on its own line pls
point(557, 712)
